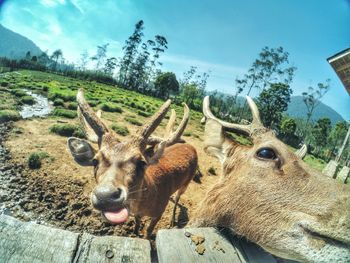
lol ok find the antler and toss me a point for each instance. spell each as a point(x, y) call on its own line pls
point(249, 129)
point(147, 129)
point(89, 119)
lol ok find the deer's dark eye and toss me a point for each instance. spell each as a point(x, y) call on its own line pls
point(95, 162)
point(266, 153)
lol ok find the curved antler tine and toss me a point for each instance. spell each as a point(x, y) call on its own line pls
point(148, 128)
point(171, 123)
point(175, 136)
point(240, 128)
point(89, 132)
point(255, 111)
point(90, 116)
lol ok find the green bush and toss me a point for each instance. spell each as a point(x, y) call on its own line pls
point(34, 161)
point(187, 134)
point(67, 130)
point(58, 102)
point(18, 92)
point(144, 113)
point(72, 105)
point(133, 121)
point(93, 103)
point(121, 130)
point(4, 83)
point(64, 113)
point(9, 115)
point(28, 100)
point(64, 95)
point(111, 107)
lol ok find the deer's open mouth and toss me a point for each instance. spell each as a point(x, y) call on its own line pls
point(116, 216)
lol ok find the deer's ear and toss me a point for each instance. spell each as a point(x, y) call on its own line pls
point(83, 153)
point(216, 143)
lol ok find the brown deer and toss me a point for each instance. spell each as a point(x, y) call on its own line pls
point(268, 195)
point(133, 177)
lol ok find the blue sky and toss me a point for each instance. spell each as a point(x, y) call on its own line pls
point(221, 36)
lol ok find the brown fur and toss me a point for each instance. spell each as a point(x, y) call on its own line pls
point(283, 205)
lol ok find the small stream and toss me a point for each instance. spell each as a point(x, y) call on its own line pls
point(42, 106)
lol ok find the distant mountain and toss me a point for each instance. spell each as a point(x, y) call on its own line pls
point(14, 45)
point(297, 108)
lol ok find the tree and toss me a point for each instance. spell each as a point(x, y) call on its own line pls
point(165, 84)
point(320, 133)
point(313, 96)
point(273, 102)
point(84, 59)
point(100, 56)
point(28, 56)
point(56, 55)
point(272, 66)
point(110, 65)
point(130, 52)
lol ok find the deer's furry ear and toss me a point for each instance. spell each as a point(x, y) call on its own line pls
point(81, 150)
point(216, 143)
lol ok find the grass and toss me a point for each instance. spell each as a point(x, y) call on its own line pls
point(9, 115)
point(111, 107)
point(121, 130)
point(18, 92)
point(72, 105)
point(144, 113)
point(64, 113)
point(67, 130)
point(133, 121)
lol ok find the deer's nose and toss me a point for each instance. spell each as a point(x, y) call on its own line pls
point(107, 197)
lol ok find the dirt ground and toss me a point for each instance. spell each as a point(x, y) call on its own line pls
point(58, 193)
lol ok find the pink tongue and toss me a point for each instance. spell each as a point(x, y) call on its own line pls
point(117, 217)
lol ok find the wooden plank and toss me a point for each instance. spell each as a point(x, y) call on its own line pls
point(29, 242)
point(113, 249)
point(174, 246)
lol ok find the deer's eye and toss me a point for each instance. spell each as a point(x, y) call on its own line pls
point(266, 153)
point(95, 162)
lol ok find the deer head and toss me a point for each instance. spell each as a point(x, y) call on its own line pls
point(270, 196)
point(119, 166)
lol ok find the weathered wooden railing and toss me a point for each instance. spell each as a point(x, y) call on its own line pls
point(30, 242)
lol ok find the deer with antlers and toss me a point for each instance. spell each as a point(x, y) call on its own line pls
point(271, 197)
point(137, 175)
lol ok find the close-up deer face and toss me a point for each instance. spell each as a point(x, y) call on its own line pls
point(119, 167)
point(270, 196)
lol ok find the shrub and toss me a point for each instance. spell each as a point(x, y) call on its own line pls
point(144, 114)
point(58, 102)
point(72, 105)
point(133, 121)
point(93, 103)
point(4, 83)
point(64, 95)
point(187, 134)
point(67, 130)
point(111, 107)
point(64, 113)
point(28, 100)
point(9, 115)
point(18, 92)
point(34, 161)
point(121, 130)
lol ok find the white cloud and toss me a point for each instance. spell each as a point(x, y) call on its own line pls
point(52, 3)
